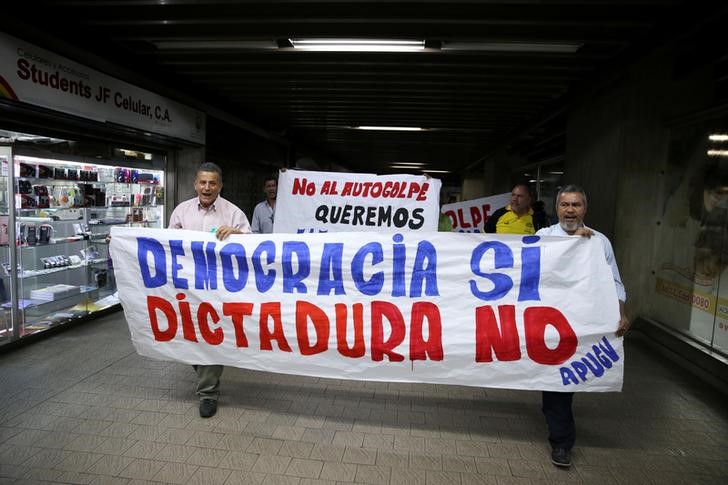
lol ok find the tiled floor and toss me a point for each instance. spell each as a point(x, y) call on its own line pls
point(82, 407)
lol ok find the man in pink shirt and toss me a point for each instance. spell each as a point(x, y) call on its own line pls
point(209, 212)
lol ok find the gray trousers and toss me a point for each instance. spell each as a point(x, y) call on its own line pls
point(208, 381)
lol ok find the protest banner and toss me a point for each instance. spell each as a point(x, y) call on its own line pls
point(519, 312)
point(471, 215)
point(345, 202)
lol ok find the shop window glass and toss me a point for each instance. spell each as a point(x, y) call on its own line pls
point(691, 265)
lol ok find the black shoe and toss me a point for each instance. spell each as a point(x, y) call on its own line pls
point(561, 457)
point(208, 408)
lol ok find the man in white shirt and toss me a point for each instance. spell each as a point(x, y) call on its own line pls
point(264, 212)
point(556, 406)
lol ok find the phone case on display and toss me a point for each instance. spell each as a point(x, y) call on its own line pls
point(45, 233)
point(120, 200)
point(72, 174)
point(100, 197)
point(42, 197)
point(43, 201)
point(20, 233)
point(122, 175)
point(61, 197)
point(59, 173)
point(26, 201)
point(137, 214)
point(31, 237)
point(27, 170)
point(78, 197)
point(134, 176)
point(25, 187)
point(45, 172)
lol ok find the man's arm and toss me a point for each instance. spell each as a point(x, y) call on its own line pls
point(238, 225)
point(624, 322)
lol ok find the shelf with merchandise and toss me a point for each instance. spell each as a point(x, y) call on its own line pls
point(37, 307)
point(88, 207)
point(64, 209)
point(36, 273)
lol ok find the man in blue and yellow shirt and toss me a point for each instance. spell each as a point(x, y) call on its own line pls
point(516, 217)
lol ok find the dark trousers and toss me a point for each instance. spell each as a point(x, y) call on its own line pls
point(556, 407)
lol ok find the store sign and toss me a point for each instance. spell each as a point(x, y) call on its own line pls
point(344, 202)
point(471, 215)
point(468, 309)
point(41, 78)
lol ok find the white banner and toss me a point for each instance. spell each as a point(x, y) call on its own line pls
point(518, 312)
point(345, 202)
point(39, 77)
point(471, 215)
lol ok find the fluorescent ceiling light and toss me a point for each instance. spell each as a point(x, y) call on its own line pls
point(390, 128)
point(409, 164)
point(357, 45)
point(510, 47)
point(717, 137)
point(436, 171)
point(718, 153)
point(216, 44)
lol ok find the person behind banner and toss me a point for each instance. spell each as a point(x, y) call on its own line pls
point(208, 212)
point(540, 218)
point(264, 213)
point(556, 406)
point(516, 217)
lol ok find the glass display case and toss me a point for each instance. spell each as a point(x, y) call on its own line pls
point(7, 330)
point(60, 213)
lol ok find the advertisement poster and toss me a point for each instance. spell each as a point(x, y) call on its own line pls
point(517, 312)
point(344, 202)
point(691, 281)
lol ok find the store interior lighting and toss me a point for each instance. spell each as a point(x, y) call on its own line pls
point(368, 45)
point(357, 45)
point(718, 153)
point(718, 137)
point(408, 165)
point(390, 128)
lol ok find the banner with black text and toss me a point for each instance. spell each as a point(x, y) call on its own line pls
point(343, 202)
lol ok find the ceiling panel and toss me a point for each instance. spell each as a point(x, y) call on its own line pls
point(470, 102)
